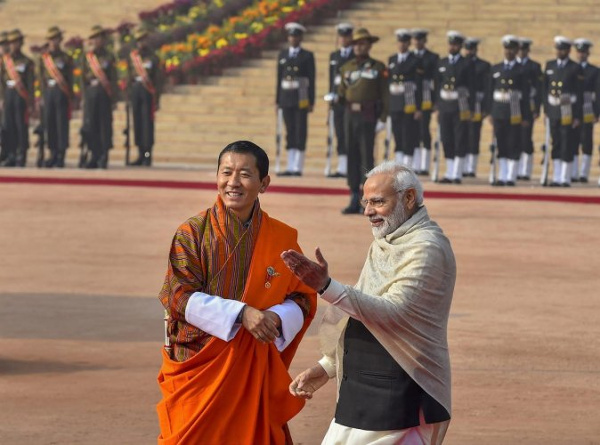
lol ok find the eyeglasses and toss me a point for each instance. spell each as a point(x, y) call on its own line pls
point(375, 202)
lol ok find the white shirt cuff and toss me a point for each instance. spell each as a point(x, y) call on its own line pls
point(334, 293)
point(329, 366)
point(214, 315)
point(292, 320)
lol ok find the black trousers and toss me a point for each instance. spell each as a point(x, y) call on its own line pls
point(16, 127)
point(527, 138)
point(56, 120)
point(584, 138)
point(474, 137)
point(454, 133)
point(425, 131)
point(338, 122)
point(296, 123)
point(98, 118)
point(142, 106)
point(508, 139)
point(564, 138)
point(360, 137)
point(406, 132)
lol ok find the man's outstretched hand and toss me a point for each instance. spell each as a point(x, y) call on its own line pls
point(315, 275)
point(307, 382)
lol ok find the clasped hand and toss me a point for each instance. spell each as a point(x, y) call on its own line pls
point(263, 325)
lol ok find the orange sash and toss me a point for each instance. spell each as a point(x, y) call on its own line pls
point(141, 71)
point(237, 392)
point(55, 73)
point(99, 72)
point(15, 77)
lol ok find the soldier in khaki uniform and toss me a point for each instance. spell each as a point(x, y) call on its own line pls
point(100, 98)
point(16, 88)
point(56, 83)
point(364, 92)
point(145, 83)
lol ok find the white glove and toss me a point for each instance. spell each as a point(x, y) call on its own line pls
point(379, 127)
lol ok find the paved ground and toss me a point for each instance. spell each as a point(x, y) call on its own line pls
point(81, 329)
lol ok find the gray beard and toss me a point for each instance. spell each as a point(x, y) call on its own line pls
point(390, 222)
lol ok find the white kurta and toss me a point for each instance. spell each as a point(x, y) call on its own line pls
point(403, 297)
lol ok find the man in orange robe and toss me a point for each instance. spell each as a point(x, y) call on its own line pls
point(236, 315)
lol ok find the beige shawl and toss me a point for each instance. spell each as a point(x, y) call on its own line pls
point(403, 297)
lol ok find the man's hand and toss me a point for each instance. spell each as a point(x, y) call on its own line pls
point(315, 275)
point(380, 126)
point(307, 382)
point(263, 325)
point(418, 115)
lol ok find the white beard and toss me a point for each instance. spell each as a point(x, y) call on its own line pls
point(390, 222)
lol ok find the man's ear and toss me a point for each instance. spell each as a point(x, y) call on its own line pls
point(411, 198)
point(265, 184)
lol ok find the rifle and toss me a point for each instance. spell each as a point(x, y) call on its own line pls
point(330, 131)
point(388, 138)
point(436, 155)
point(40, 130)
point(278, 131)
point(546, 154)
point(83, 146)
point(127, 131)
point(493, 175)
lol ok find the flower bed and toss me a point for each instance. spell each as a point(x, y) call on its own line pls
point(257, 27)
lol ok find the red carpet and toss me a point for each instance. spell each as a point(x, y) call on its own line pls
point(292, 189)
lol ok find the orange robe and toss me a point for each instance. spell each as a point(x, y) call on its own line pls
point(237, 392)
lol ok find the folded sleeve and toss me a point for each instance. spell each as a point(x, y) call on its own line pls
point(214, 315)
point(292, 321)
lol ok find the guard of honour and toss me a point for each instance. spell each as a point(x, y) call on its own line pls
point(51, 104)
point(464, 90)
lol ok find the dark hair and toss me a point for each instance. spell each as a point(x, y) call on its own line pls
point(247, 147)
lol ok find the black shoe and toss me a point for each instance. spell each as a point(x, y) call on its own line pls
point(353, 210)
point(91, 164)
point(554, 184)
point(565, 184)
point(457, 181)
point(510, 183)
point(445, 181)
point(574, 179)
point(524, 178)
point(499, 184)
point(285, 173)
point(423, 173)
point(50, 163)
point(469, 175)
point(296, 173)
point(583, 180)
point(336, 175)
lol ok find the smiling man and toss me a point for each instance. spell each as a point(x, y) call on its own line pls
point(385, 339)
point(235, 316)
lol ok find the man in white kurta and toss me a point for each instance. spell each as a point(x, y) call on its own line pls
point(400, 304)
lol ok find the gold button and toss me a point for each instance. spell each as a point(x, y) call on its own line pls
point(553, 92)
point(401, 77)
point(395, 77)
point(503, 81)
point(295, 68)
point(510, 81)
point(560, 84)
point(553, 83)
point(452, 79)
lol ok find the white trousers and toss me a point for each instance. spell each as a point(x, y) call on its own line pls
point(424, 434)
